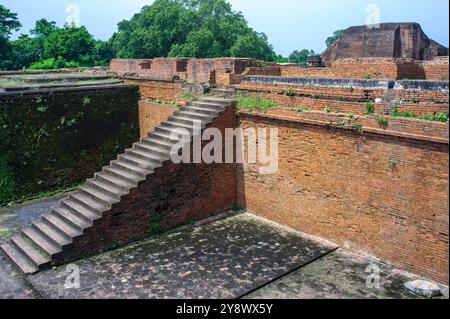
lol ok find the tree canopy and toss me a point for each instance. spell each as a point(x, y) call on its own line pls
point(301, 56)
point(332, 39)
point(189, 28)
point(8, 23)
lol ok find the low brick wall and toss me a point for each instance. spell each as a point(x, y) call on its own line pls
point(396, 126)
point(360, 68)
point(384, 195)
point(422, 97)
point(338, 106)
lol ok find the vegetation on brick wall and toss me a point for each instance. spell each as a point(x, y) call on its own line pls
point(255, 103)
point(437, 117)
point(56, 140)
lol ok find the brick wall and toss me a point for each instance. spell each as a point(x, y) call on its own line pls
point(339, 106)
point(422, 97)
point(152, 115)
point(165, 91)
point(396, 126)
point(437, 69)
point(171, 197)
point(387, 196)
point(359, 68)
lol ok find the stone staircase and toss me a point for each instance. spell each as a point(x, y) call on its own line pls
point(38, 245)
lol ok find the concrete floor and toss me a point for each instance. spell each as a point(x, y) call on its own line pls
point(238, 256)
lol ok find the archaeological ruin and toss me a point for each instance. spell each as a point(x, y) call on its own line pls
point(362, 155)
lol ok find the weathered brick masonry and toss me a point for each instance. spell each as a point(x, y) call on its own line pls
point(387, 196)
point(152, 114)
point(421, 97)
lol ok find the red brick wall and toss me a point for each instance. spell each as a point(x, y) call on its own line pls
point(374, 68)
point(342, 185)
point(165, 91)
point(171, 197)
point(339, 106)
point(350, 99)
point(437, 69)
point(414, 128)
point(152, 115)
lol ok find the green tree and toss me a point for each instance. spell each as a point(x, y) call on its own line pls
point(71, 44)
point(24, 51)
point(332, 39)
point(189, 28)
point(253, 45)
point(301, 56)
point(8, 23)
point(199, 44)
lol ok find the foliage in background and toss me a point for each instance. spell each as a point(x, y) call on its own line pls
point(8, 23)
point(190, 28)
point(301, 56)
point(332, 39)
point(50, 47)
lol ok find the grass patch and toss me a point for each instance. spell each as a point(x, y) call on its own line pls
point(436, 117)
point(251, 103)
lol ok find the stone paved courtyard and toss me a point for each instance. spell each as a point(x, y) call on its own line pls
point(236, 256)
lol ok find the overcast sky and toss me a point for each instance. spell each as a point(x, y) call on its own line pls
point(289, 24)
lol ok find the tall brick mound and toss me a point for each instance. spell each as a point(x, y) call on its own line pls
point(139, 194)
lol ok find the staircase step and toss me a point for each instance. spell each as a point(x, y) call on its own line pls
point(152, 160)
point(88, 215)
point(189, 120)
point(111, 190)
point(19, 259)
point(98, 195)
point(41, 241)
point(157, 142)
point(161, 152)
point(174, 130)
point(143, 164)
point(165, 137)
point(87, 201)
point(131, 168)
point(120, 173)
point(36, 258)
point(201, 110)
point(217, 100)
point(70, 218)
point(61, 225)
point(193, 115)
point(115, 181)
point(209, 105)
point(170, 124)
point(56, 237)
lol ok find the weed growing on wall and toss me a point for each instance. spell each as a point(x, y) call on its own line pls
point(369, 108)
point(251, 103)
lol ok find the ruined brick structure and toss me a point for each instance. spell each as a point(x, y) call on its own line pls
point(195, 70)
point(390, 40)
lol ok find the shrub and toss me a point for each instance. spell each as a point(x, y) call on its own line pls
point(382, 121)
point(290, 92)
point(437, 117)
point(369, 108)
